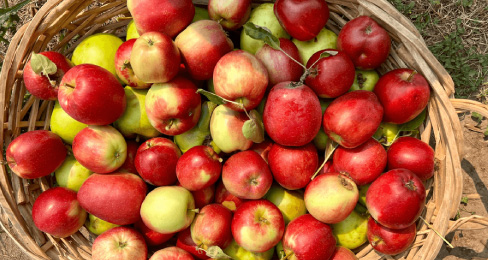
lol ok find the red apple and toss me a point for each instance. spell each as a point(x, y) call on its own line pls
point(331, 197)
point(390, 241)
point(412, 154)
point(239, 76)
point(224, 197)
point(156, 161)
point(101, 149)
point(331, 76)
point(202, 44)
point(186, 243)
point(246, 175)
point(365, 42)
point(171, 253)
point(121, 243)
point(230, 14)
point(403, 93)
point(40, 85)
point(198, 168)
point(129, 163)
point(83, 94)
point(106, 196)
point(258, 225)
point(308, 238)
point(123, 66)
point(396, 198)
point(226, 129)
point(57, 212)
point(353, 118)
point(211, 227)
point(343, 253)
point(293, 167)
point(292, 114)
point(303, 20)
point(362, 164)
point(155, 57)
point(152, 237)
point(165, 16)
point(279, 66)
point(173, 107)
point(35, 154)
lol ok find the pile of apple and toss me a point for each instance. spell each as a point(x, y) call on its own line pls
point(213, 152)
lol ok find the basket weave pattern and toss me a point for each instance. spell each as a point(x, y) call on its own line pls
point(77, 19)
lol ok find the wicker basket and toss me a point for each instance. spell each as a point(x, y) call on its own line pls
point(82, 18)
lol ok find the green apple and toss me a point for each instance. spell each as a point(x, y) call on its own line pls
point(326, 39)
point(362, 193)
point(131, 31)
point(264, 16)
point(97, 226)
point(98, 49)
point(388, 132)
point(71, 174)
point(200, 14)
point(320, 140)
point(134, 121)
point(64, 125)
point(290, 202)
point(279, 250)
point(226, 129)
point(365, 80)
point(238, 253)
point(352, 231)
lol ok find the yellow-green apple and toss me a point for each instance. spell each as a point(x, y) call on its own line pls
point(351, 232)
point(365, 80)
point(257, 225)
point(237, 252)
point(331, 197)
point(71, 174)
point(331, 73)
point(211, 227)
point(303, 20)
point(363, 189)
point(171, 252)
point(155, 58)
point(178, 211)
point(363, 164)
point(156, 161)
point(106, 197)
point(64, 125)
point(226, 129)
point(230, 14)
point(365, 42)
point(263, 148)
point(290, 202)
point(98, 49)
point(292, 114)
point(279, 66)
point(200, 14)
point(57, 212)
point(396, 199)
point(308, 238)
point(342, 253)
point(121, 243)
point(224, 197)
point(326, 39)
point(42, 79)
point(35, 154)
point(204, 196)
point(131, 31)
point(123, 67)
point(101, 149)
point(97, 225)
point(186, 243)
point(129, 163)
point(199, 134)
point(239, 76)
point(353, 118)
point(173, 107)
point(198, 168)
point(83, 94)
point(403, 93)
point(390, 241)
point(166, 16)
point(411, 153)
point(134, 120)
point(201, 45)
point(152, 237)
point(264, 16)
point(246, 175)
point(293, 167)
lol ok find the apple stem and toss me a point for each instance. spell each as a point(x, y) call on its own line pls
point(195, 210)
point(169, 125)
point(68, 85)
point(431, 227)
point(331, 146)
point(410, 77)
point(220, 20)
point(289, 56)
point(286, 256)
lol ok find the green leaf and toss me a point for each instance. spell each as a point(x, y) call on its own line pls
point(217, 253)
point(11, 12)
point(476, 117)
point(414, 123)
point(327, 54)
point(262, 33)
point(486, 132)
point(253, 129)
point(212, 97)
point(41, 64)
point(464, 200)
